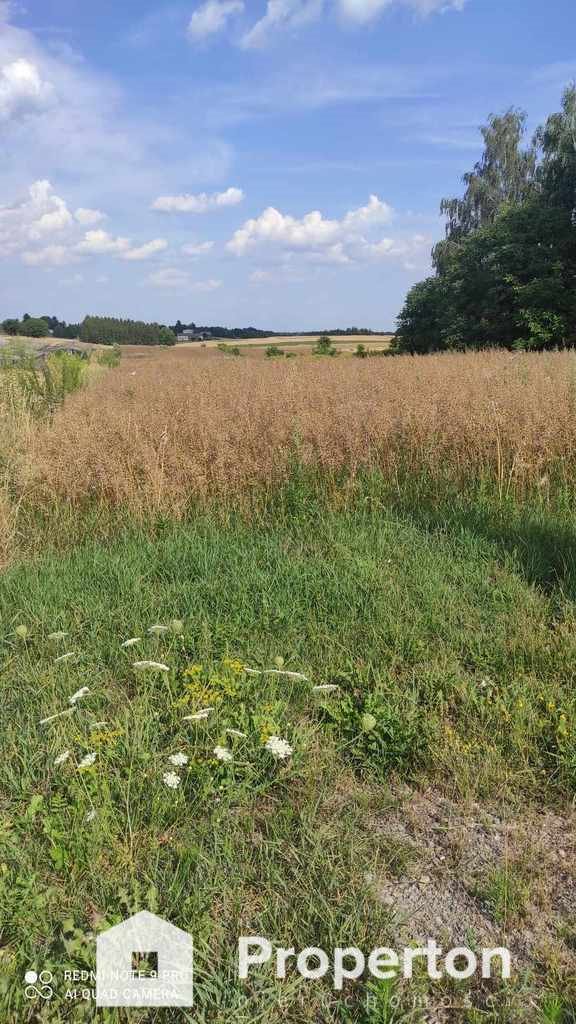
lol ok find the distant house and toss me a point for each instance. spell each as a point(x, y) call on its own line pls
point(188, 335)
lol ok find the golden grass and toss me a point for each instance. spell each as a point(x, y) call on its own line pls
point(178, 428)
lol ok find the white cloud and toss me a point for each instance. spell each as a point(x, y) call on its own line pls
point(50, 256)
point(42, 213)
point(22, 90)
point(281, 14)
point(180, 280)
point(211, 17)
point(143, 252)
point(363, 11)
point(88, 217)
point(197, 250)
point(312, 233)
point(200, 203)
point(98, 242)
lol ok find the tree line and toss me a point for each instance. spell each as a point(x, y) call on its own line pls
point(505, 273)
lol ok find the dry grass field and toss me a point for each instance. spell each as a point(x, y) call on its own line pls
point(171, 430)
point(344, 344)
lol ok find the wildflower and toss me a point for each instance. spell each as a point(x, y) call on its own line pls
point(157, 666)
point(79, 693)
point(193, 670)
point(223, 754)
point(280, 749)
point(177, 626)
point(67, 711)
point(325, 688)
point(62, 757)
point(59, 635)
point(179, 759)
point(282, 672)
point(171, 779)
point(236, 732)
point(21, 632)
point(65, 657)
point(133, 640)
point(158, 629)
point(88, 760)
point(90, 815)
point(98, 725)
point(203, 713)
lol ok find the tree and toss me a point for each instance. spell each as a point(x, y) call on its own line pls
point(503, 176)
point(35, 327)
point(11, 326)
point(506, 272)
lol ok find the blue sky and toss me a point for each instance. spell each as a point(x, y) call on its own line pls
point(244, 162)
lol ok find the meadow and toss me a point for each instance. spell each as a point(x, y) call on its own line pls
point(288, 648)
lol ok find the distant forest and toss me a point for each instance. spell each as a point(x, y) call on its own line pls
point(105, 330)
point(505, 273)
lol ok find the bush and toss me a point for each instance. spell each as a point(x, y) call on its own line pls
point(110, 358)
point(229, 350)
point(273, 351)
point(324, 346)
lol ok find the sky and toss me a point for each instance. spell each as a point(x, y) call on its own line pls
point(276, 163)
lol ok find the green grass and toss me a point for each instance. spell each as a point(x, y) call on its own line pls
point(453, 665)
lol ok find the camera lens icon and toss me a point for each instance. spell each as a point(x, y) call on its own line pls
point(38, 986)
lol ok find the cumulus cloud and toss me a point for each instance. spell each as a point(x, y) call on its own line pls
point(40, 214)
point(180, 280)
point(49, 256)
point(312, 233)
point(212, 17)
point(201, 203)
point(98, 242)
point(282, 14)
point(22, 90)
point(197, 250)
point(88, 217)
point(144, 252)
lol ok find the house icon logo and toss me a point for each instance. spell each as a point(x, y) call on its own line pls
point(144, 961)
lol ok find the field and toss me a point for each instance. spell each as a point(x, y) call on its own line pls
point(373, 561)
point(344, 344)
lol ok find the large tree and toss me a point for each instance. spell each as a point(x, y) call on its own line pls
point(506, 271)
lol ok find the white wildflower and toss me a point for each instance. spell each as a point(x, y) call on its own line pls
point(279, 748)
point(178, 759)
point(79, 693)
point(58, 635)
point(325, 688)
point(133, 640)
point(199, 716)
point(156, 666)
point(67, 711)
point(65, 657)
point(171, 779)
point(223, 754)
point(90, 815)
point(88, 760)
point(62, 757)
point(236, 732)
point(158, 629)
point(282, 672)
point(98, 725)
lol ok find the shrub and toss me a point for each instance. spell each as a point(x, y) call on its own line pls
point(324, 346)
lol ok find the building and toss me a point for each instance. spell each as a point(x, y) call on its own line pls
point(189, 335)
